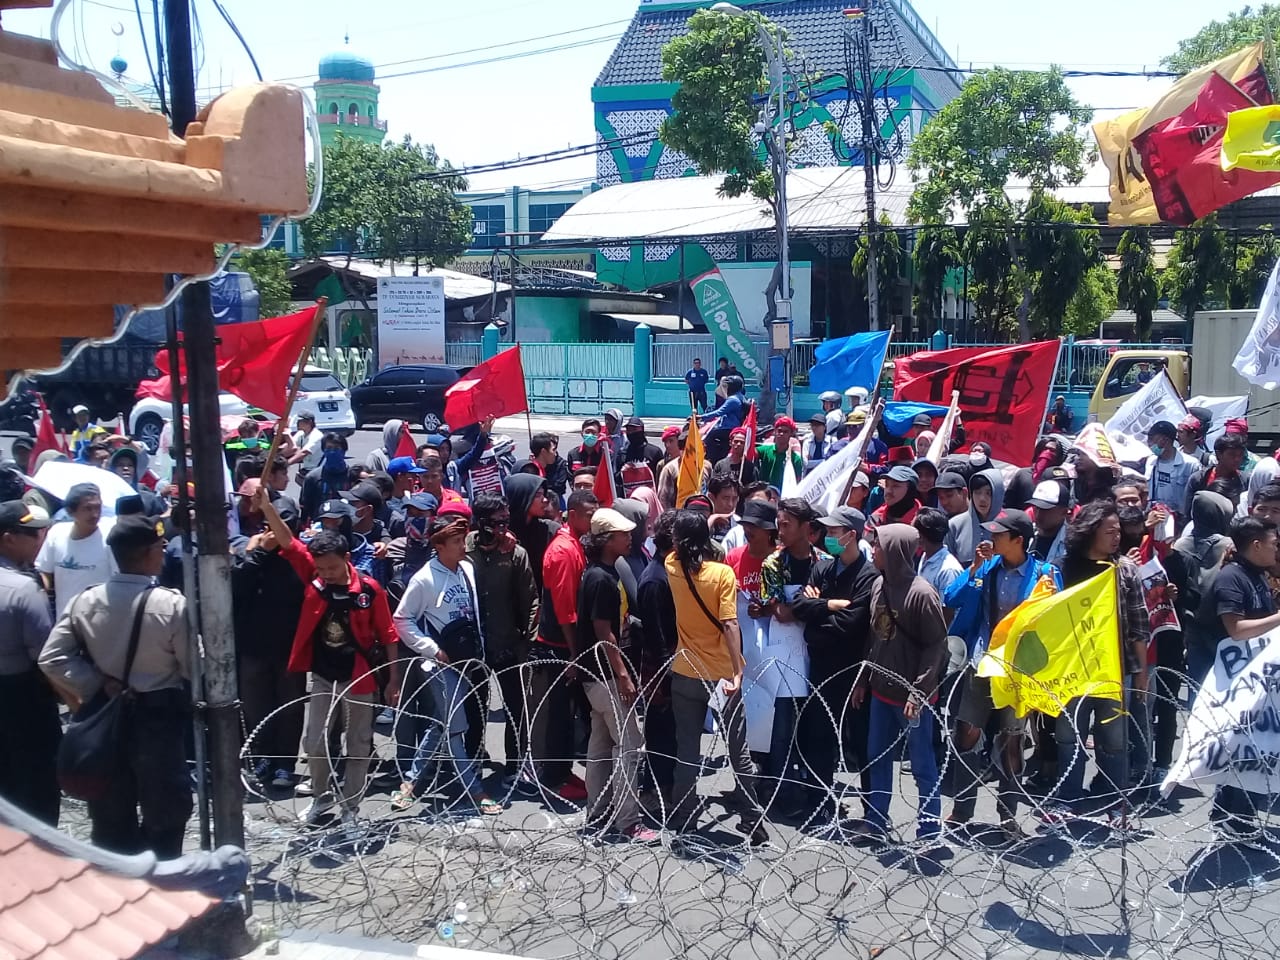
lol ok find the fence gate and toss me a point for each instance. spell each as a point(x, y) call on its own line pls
point(579, 379)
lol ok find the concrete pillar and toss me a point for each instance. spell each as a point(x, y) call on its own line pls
point(489, 342)
point(641, 366)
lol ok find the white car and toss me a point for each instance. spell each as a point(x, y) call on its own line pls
point(149, 415)
point(323, 394)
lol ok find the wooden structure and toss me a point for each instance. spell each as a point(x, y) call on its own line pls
point(99, 202)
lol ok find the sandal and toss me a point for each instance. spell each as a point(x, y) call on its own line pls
point(404, 798)
point(488, 807)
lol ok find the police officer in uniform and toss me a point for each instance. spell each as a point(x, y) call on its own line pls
point(85, 656)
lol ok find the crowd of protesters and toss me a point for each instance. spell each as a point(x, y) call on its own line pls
point(411, 593)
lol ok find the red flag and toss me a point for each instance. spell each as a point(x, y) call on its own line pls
point(494, 388)
point(999, 390)
point(46, 437)
point(1181, 156)
point(255, 360)
point(750, 424)
point(604, 489)
point(405, 447)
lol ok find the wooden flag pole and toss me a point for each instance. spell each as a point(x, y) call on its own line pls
point(283, 425)
point(751, 442)
point(873, 424)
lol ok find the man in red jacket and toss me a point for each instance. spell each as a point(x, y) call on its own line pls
point(343, 636)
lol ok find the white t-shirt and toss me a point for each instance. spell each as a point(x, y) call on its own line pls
point(75, 565)
point(310, 443)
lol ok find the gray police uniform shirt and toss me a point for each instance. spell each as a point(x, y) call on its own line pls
point(103, 618)
point(24, 620)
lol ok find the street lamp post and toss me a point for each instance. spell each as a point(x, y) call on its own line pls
point(771, 118)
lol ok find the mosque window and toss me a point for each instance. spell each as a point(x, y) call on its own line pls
point(333, 109)
point(353, 110)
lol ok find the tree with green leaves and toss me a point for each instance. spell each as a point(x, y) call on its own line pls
point(889, 263)
point(269, 271)
point(1255, 258)
point(388, 202)
point(1137, 285)
point(1220, 37)
point(1198, 269)
point(936, 253)
point(1094, 300)
point(993, 271)
point(1055, 260)
point(1004, 126)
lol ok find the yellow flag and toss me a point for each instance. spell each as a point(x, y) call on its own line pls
point(1252, 139)
point(691, 460)
point(1056, 646)
point(1132, 201)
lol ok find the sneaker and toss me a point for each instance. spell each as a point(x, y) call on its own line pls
point(386, 717)
point(1012, 833)
point(527, 786)
point(317, 808)
point(757, 835)
point(302, 788)
point(508, 783)
point(282, 778)
point(573, 790)
point(639, 833)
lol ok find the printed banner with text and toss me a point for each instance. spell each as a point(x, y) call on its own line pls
point(1233, 732)
point(720, 314)
point(1002, 393)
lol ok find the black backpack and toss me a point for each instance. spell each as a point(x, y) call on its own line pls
point(1195, 597)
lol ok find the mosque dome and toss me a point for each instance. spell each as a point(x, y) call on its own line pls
point(345, 65)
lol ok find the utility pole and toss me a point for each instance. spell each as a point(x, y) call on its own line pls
point(213, 565)
point(870, 136)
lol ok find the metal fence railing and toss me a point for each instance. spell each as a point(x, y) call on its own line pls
point(350, 365)
point(463, 353)
point(672, 358)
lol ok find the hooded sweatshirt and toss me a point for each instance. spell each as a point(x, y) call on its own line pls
point(965, 530)
point(507, 597)
point(377, 460)
point(909, 631)
point(1195, 555)
point(533, 535)
point(631, 566)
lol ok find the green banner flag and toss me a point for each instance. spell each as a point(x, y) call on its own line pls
point(720, 314)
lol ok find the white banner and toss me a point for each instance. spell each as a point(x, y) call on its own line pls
point(1233, 732)
point(1259, 358)
point(823, 487)
point(1157, 400)
point(1224, 409)
point(410, 320)
point(942, 441)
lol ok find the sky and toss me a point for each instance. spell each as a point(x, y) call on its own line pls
point(480, 112)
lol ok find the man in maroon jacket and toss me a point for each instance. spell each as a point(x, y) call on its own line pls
point(343, 636)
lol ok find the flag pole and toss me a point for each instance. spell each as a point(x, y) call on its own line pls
point(877, 411)
point(283, 425)
point(1123, 786)
point(742, 467)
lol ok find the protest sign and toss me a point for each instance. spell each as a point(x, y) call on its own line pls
point(1157, 400)
point(1155, 590)
point(1232, 735)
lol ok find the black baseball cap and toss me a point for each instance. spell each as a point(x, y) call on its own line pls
point(134, 530)
point(364, 492)
point(950, 480)
point(336, 508)
point(760, 513)
point(1050, 494)
point(903, 474)
point(1011, 521)
point(846, 518)
point(818, 418)
point(16, 515)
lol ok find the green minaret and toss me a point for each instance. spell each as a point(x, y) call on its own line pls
point(347, 98)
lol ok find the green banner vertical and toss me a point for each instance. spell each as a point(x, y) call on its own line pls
point(720, 314)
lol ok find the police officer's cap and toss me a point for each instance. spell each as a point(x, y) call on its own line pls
point(135, 531)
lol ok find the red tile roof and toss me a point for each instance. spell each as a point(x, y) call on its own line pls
point(55, 907)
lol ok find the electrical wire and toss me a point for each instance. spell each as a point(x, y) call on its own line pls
point(146, 49)
point(217, 4)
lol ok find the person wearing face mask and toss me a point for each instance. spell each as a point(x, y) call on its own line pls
point(328, 479)
point(245, 443)
point(1169, 471)
point(528, 498)
point(835, 609)
point(508, 600)
point(590, 452)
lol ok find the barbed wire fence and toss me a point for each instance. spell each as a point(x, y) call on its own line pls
point(538, 880)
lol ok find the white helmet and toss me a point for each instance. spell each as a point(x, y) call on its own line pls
point(859, 394)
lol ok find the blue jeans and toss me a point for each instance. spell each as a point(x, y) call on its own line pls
point(888, 723)
point(783, 765)
point(448, 690)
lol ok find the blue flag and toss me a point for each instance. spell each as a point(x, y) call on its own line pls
point(898, 414)
point(849, 362)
